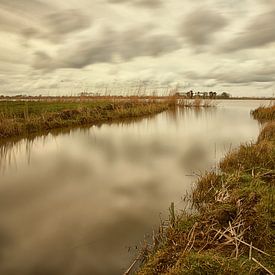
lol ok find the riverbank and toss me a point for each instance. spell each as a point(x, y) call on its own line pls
point(264, 114)
point(233, 229)
point(22, 118)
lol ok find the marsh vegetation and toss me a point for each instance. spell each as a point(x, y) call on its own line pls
point(232, 230)
point(26, 117)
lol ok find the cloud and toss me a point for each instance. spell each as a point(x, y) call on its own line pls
point(140, 3)
point(26, 7)
point(200, 26)
point(138, 42)
point(80, 54)
point(104, 49)
point(59, 24)
point(263, 73)
point(16, 15)
point(42, 60)
point(67, 21)
point(55, 37)
point(35, 19)
point(259, 32)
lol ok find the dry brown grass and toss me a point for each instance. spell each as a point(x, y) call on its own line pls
point(268, 132)
point(264, 113)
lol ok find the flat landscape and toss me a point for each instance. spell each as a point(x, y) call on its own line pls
point(137, 137)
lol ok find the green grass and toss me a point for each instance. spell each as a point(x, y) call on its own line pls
point(22, 117)
point(27, 117)
point(235, 211)
point(20, 108)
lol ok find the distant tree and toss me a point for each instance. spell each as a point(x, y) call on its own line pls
point(205, 94)
point(225, 95)
point(190, 94)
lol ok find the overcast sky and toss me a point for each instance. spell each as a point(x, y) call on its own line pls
point(57, 46)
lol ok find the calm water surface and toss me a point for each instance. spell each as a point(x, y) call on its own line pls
point(79, 202)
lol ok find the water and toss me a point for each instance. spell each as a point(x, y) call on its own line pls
point(79, 202)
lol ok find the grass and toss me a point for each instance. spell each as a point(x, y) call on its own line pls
point(197, 103)
point(264, 113)
point(233, 228)
point(21, 117)
point(268, 132)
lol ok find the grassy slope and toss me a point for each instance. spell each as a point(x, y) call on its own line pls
point(235, 210)
point(19, 117)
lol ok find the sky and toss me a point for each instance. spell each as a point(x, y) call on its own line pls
point(53, 47)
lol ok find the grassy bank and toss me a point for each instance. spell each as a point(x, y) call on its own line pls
point(21, 117)
point(233, 228)
point(26, 117)
point(264, 113)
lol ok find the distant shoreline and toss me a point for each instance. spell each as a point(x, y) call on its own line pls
point(109, 97)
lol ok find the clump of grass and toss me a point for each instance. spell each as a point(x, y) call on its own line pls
point(195, 103)
point(264, 113)
point(233, 229)
point(268, 132)
point(250, 158)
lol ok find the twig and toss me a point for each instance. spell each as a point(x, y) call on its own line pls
point(191, 237)
point(127, 272)
point(259, 250)
point(250, 251)
point(230, 239)
point(268, 271)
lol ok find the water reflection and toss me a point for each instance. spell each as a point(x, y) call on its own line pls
point(74, 202)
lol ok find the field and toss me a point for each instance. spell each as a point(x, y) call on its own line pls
point(233, 228)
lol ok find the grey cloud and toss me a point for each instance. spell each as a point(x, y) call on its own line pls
point(58, 24)
point(200, 26)
point(140, 3)
point(16, 15)
point(35, 19)
point(259, 32)
point(126, 45)
point(81, 54)
point(42, 60)
point(25, 7)
point(137, 42)
point(244, 78)
point(67, 21)
point(262, 74)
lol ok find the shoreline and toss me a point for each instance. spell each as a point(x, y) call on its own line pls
point(234, 227)
point(118, 97)
point(22, 118)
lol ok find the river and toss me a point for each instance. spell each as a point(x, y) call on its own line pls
point(79, 201)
